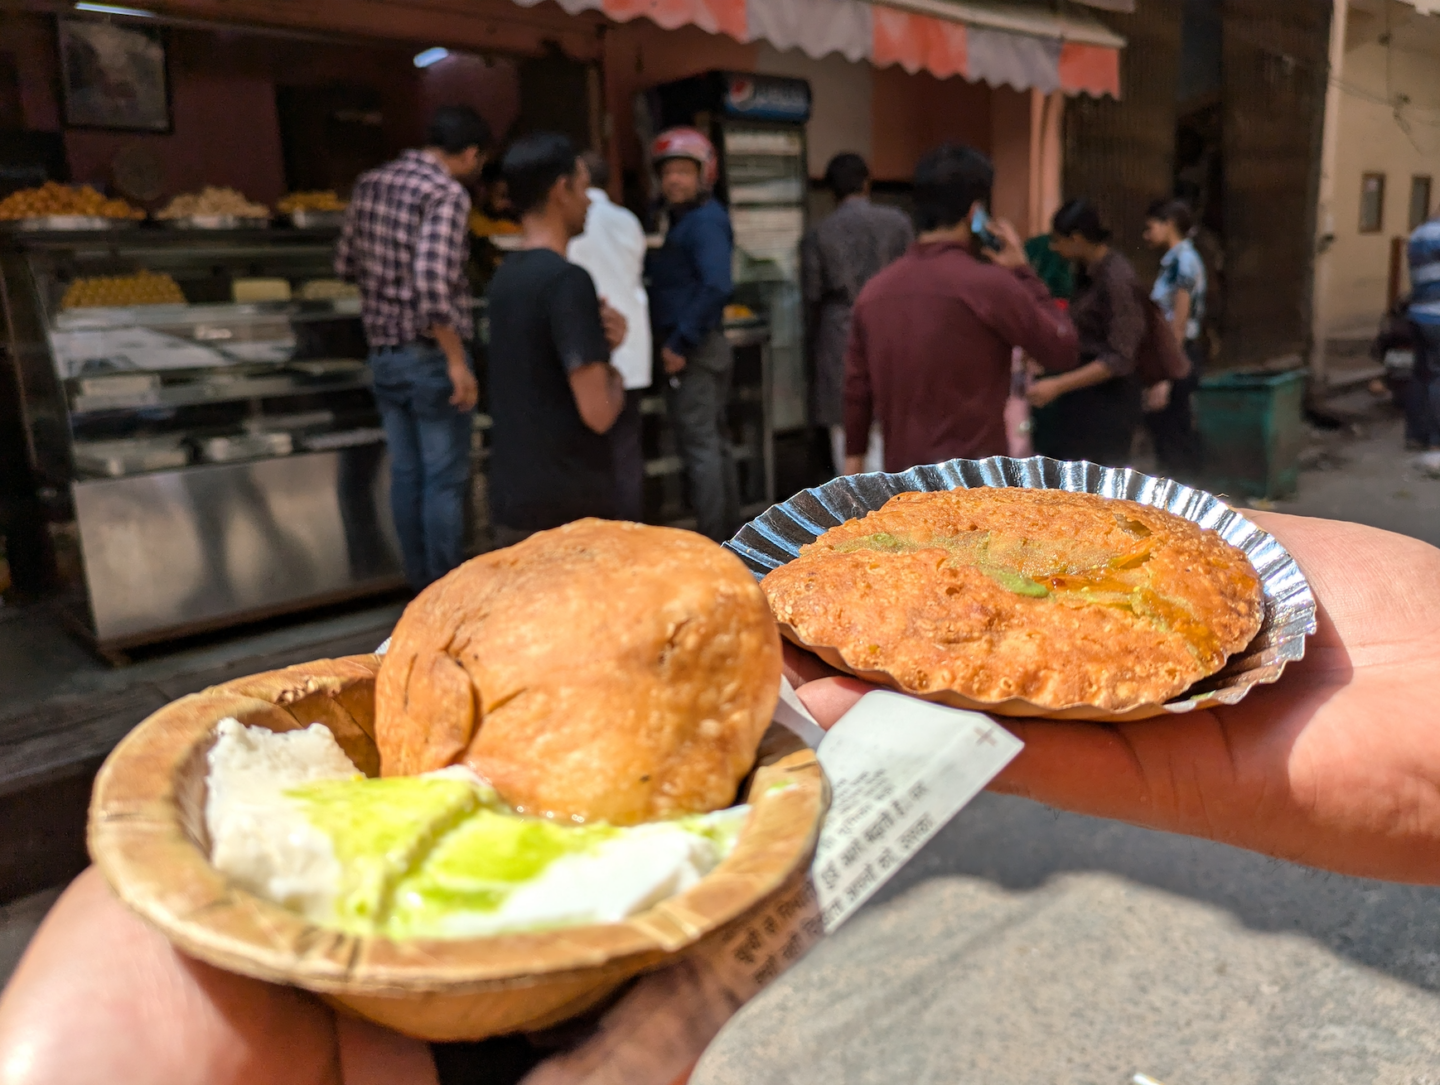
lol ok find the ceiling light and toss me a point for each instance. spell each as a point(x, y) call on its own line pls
point(430, 56)
point(111, 9)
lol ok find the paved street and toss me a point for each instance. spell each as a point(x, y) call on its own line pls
point(1025, 947)
point(1370, 480)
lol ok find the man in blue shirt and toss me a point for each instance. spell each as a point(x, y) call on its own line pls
point(689, 281)
point(1425, 313)
point(1180, 293)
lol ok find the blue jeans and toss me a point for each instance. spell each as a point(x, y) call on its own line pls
point(429, 457)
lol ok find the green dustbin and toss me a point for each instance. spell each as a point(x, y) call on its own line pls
point(1252, 431)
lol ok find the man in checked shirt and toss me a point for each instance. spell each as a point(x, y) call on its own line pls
point(405, 245)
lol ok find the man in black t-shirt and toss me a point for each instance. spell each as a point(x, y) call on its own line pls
point(552, 390)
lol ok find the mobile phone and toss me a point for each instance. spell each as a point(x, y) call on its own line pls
point(980, 227)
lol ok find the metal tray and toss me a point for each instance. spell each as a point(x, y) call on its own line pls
point(352, 438)
point(215, 222)
point(315, 220)
point(321, 368)
point(293, 423)
point(247, 446)
point(69, 222)
point(776, 536)
point(116, 459)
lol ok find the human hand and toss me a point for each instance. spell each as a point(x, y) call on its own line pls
point(854, 465)
point(1336, 766)
point(1011, 253)
point(466, 391)
point(1044, 391)
point(1156, 397)
point(101, 996)
point(672, 361)
point(614, 323)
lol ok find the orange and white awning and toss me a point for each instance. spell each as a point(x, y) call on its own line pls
point(1015, 44)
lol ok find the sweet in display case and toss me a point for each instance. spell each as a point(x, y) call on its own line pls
point(197, 410)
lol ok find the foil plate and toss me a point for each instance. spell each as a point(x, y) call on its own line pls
point(776, 536)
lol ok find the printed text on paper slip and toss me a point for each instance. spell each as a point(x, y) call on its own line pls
point(899, 769)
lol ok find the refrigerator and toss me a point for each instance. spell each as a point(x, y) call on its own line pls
point(757, 123)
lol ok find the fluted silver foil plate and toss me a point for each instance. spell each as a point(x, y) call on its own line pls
point(776, 536)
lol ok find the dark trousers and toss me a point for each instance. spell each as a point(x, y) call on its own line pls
point(696, 402)
point(1422, 398)
point(1095, 423)
point(429, 457)
point(1177, 443)
point(628, 457)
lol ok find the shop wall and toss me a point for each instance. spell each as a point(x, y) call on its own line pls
point(1275, 62)
point(1121, 154)
point(223, 84)
point(226, 133)
point(888, 115)
point(842, 118)
point(640, 55)
point(29, 39)
point(1373, 140)
point(226, 130)
point(913, 113)
point(488, 85)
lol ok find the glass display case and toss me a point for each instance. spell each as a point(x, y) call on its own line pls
point(196, 408)
point(197, 411)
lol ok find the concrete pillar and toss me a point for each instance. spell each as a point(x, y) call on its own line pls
point(1047, 182)
point(1027, 151)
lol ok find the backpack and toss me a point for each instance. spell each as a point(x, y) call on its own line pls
point(1159, 356)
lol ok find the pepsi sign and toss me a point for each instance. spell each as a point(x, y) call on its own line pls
point(766, 98)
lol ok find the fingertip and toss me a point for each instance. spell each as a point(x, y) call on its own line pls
point(801, 666)
point(830, 698)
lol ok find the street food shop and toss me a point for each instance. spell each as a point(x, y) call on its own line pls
point(187, 438)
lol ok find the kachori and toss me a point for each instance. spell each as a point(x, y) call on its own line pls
point(995, 596)
point(601, 671)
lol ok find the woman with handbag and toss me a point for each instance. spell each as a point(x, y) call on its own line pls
point(1091, 413)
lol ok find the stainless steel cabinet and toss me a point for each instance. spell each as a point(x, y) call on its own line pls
point(204, 462)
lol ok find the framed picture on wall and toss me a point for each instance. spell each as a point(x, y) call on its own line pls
point(114, 75)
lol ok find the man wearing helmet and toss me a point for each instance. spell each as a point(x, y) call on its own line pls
point(689, 279)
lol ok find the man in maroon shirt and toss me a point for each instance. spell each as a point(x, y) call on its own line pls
point(932, 335)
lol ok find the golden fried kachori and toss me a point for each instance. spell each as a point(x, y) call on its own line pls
point(1045, 597)
point(600, 671)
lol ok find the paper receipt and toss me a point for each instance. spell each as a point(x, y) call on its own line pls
point(899, 769)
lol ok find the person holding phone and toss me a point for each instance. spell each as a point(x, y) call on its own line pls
point(931, 335)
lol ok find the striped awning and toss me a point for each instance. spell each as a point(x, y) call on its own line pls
point(1016, 45)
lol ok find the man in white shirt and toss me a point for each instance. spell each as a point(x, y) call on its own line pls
point(612, 250)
